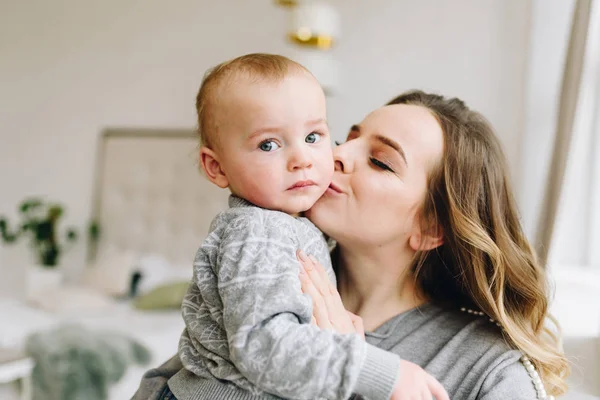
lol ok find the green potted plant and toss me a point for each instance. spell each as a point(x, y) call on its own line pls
point(39, 220)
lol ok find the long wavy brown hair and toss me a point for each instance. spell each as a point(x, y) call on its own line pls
point(486, 261)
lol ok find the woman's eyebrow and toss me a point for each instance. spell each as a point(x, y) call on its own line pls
point(393, 144)
point(386, 141)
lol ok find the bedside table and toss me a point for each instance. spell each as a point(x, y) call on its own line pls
point(16, 366)
point(19, 321)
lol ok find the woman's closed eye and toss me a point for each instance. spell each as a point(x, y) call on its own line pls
point(380, 164)
point(376, 162)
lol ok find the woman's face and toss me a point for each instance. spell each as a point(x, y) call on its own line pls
point(380, 178)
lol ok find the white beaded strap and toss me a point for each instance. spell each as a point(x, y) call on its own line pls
point(535, 378)
point(480, 313)
point(533, 374)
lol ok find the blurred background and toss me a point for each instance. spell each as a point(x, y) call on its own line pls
point(98, 176)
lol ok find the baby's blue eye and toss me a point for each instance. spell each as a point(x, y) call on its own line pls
point(312, 137)
point(268, 145)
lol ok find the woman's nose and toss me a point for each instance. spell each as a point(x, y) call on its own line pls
point(342, 158)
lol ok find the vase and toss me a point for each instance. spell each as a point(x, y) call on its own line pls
point(42, 279)
point(13, 258)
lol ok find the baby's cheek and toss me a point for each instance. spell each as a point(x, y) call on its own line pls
point(326, 163)
point(262, 190)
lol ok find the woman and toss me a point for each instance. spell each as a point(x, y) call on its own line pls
point(431, 255)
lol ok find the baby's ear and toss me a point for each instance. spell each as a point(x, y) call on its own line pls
point(212, 167)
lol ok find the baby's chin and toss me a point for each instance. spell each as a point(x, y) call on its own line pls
point(288, 203)
point(299, 205)
point(296, 209)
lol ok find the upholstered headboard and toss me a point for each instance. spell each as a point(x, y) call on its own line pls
point(150, 196)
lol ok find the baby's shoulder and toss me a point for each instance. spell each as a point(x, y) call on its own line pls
point(308, 226)
point(258, 221)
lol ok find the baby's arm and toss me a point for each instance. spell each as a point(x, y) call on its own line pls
point(267, 319)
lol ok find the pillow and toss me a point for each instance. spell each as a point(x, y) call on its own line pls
point(111, 273)
point(156, 271)
point(167, 296)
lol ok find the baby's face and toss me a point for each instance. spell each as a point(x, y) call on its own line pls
point(274, 141)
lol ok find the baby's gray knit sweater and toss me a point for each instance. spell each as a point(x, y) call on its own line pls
point(465, 352)
point(249, 325)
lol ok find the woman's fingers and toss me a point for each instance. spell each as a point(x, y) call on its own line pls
point(311, 268)
point(338, 316)
point(327, 289)
point(320, 313)
point(331, 297)
point(327, 285)
point(305, 281)
point(328, 308)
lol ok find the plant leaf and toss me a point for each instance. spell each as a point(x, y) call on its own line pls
point(72, 235)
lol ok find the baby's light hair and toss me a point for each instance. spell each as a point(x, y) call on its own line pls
point(259, 66)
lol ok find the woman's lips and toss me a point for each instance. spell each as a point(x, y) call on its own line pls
point(334, 188)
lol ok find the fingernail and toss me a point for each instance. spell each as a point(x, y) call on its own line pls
point(313, 259)
point(302, 255)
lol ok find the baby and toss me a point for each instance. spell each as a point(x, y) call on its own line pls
point(262, 122)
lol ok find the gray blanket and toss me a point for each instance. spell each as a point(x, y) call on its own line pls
point(74, 363)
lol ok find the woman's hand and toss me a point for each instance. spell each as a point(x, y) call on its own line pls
point(414, 383)
point(328, 310)
point(329, 313)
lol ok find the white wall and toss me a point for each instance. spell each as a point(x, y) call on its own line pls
point(573, 241)
point(473, 49)
point(69, 69)
point(550, 29)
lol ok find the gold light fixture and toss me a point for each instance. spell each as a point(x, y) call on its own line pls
point(304, 37)
point(287, 3)
point(314, 24)
point(314, 28)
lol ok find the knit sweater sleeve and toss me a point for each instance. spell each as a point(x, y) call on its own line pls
point(267, 320)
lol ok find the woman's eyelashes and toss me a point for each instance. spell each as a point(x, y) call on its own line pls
point(377, 163)
point(380, 164)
